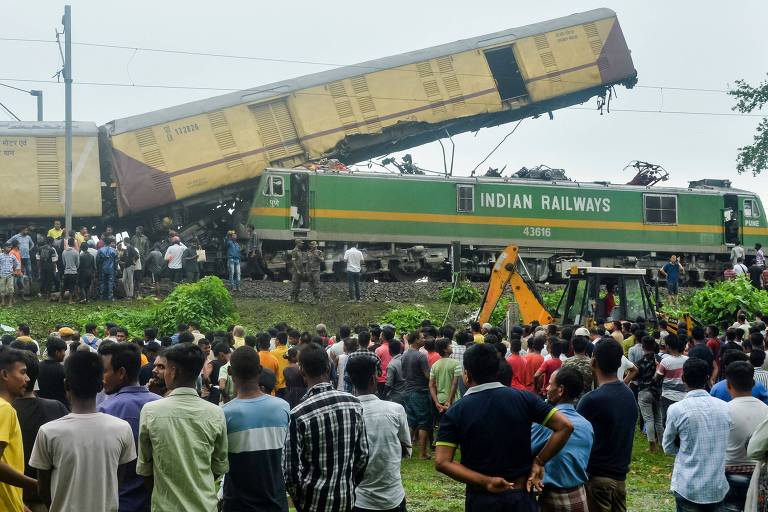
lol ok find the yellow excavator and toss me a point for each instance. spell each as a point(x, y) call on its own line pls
point(591, 295)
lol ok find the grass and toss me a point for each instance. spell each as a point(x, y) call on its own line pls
point(427, 490)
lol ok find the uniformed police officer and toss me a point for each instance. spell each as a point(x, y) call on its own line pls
point(315, 257)
point(297, 265)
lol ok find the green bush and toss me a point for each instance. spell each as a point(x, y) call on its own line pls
point(552, 299)
point(723, 299)
point(407, 318)
point(463, 293)
point(206, 301)
point(500, 311)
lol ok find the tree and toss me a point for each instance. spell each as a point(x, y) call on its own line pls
point(754, 157)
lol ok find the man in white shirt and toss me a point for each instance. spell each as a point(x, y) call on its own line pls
point(747, 412)
point(386, 428)
point(354, 259)
point(174, 256)
point(740, 268)
point(85, 447)
point(737, 253)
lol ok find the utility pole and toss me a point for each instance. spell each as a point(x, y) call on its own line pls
point(67, 118)
point(39, 94)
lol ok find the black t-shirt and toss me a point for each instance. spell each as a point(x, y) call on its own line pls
point(703, 352)
point(415, 364)
point(87, 264)
point(50, 379)
point(145, 373)
point(32, 414)
point(492, 428)
point(612, 411)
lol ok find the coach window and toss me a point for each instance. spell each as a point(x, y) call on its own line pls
point(660, 209)
point(274, 186)
point(751, 209)
point(465, 198)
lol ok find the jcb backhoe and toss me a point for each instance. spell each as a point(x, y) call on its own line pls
point(625, 294)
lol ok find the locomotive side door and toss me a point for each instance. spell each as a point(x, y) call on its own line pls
point(300, 220)
point(731, 219)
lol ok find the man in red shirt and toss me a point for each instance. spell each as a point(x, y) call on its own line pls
point(548, 367)
point(534, 359)
point(713, 342)
point(521, 377)
point(729, 273)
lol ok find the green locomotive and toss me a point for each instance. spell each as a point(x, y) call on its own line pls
point(408, 223)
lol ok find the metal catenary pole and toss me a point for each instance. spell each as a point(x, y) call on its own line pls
point(39, 94)
point(68, 118)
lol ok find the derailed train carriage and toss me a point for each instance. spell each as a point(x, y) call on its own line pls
point(408, 224)
point(187, 166)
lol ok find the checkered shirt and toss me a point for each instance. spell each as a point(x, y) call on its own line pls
point(326, 451)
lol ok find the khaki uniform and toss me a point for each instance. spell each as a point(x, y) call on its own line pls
point(315, 257)
point(298, 266)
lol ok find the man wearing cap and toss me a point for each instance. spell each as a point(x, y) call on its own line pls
point(174, 256)
point(8, 267)
point(297, 265)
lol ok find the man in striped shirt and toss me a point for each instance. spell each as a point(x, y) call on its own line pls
point(257, 424)
point(326, 450)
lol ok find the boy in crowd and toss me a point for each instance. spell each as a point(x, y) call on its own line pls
point(182, 438)
point(257, 424)
point(388, 438)
point(13, 384)
point(33, 412)
point(84, 446)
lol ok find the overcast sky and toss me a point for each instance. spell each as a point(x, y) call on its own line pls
point(692, 44)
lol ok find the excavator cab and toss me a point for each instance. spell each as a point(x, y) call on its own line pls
point(599, 294)
point(593, 295)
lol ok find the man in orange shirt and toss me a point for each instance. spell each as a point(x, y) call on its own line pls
point(267, 360)
point(281, 348)
point(534, 359)
point(522, 379)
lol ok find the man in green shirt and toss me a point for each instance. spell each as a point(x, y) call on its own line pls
point(444, 377)
point(182, 438)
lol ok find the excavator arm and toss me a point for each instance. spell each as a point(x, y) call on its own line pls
point(505, 274)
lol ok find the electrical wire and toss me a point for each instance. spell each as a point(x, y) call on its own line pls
point(386, 98)
point(15, 88)
point(313, 62)
point(9, 111)
point(497, 147)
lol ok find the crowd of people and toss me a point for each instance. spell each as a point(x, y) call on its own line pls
point(543, 419)
point(78, 266)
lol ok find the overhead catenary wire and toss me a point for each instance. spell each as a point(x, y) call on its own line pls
point(389, 98)
point(368, 67)
point(10, 112)
point(495, 148)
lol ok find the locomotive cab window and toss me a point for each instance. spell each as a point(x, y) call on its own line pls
point(465, 198)
point(660, 209)
point(274, 186)
point(751, 209)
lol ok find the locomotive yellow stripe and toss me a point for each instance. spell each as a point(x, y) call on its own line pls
point(491, 220)
point(757, 231)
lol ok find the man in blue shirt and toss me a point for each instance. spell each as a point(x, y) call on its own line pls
point(126, 398)
point(233, 261)
point(25, 247)
point(257, 425)
point(106, 260)
point(696, 433)
point(671, 271)
point(492, 426)
point(720, 390)
point(566, 473)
